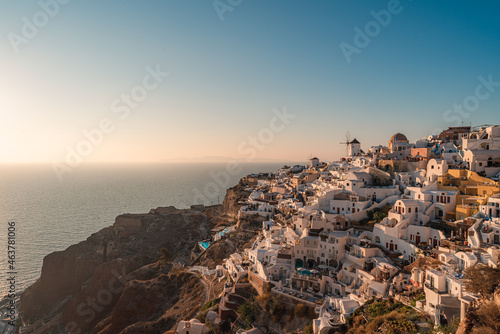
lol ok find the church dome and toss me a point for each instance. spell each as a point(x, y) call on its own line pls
point(398, 137)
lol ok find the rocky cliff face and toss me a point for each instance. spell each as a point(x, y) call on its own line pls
point(483, 316)
point(154, 305)
point(99, 283)
point(233, 197)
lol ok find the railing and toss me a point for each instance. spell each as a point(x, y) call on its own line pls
point(356, 255)
point(428, 286)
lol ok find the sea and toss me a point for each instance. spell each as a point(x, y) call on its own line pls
point(44, 214)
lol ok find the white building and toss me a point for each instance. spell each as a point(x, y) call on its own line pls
point(193, 326)
point(435, 168)
point(314, 162)
point(354, 148)
point(483, 161)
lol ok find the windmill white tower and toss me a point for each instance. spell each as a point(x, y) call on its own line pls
point(352, 147)
point(312, 161)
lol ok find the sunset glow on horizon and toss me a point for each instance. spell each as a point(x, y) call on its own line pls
point(180, 81)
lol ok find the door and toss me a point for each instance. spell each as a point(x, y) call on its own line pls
point(417, 239)
point(391, 246)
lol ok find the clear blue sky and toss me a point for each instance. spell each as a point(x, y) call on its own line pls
point(226, 76)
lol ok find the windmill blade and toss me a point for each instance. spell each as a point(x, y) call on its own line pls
point(308, 159)
point(347, 142)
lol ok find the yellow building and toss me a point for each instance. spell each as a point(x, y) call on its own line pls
point(474, 190)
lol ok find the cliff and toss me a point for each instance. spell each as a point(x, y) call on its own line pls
point(119, 277)
point(234, 197)
point(483, 316)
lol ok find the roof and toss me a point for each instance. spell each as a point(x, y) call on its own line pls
point(485, 152)
point(409, 201)
point(354, 141)
point(338, 234)
point(349, 303)
point(378, 287)
point(398, 137)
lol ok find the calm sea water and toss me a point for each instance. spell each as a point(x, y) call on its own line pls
point(51, 215)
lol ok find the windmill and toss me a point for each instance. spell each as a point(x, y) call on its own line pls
point(310, 162)
point(347, 142)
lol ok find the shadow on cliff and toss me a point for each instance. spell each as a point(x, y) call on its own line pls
point(116, 278)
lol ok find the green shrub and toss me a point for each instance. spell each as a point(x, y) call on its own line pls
point(210, 304)
point(248, 312)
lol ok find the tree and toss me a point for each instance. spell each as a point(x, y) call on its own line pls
point(489, 317)
point(378, 216)
point(248, 312)
point(481, 279)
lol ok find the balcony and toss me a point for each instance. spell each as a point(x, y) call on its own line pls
point(428, 286)
point(359, 256)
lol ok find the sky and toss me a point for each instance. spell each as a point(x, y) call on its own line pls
point(159, 81)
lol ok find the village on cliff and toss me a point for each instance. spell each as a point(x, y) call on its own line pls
point(398, 222)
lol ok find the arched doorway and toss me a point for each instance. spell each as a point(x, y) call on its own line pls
point(311, 263)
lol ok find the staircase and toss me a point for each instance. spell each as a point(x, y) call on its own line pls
point(476, 240)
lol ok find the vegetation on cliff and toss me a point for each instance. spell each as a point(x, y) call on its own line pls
point(483, 316)
point(385, 316)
